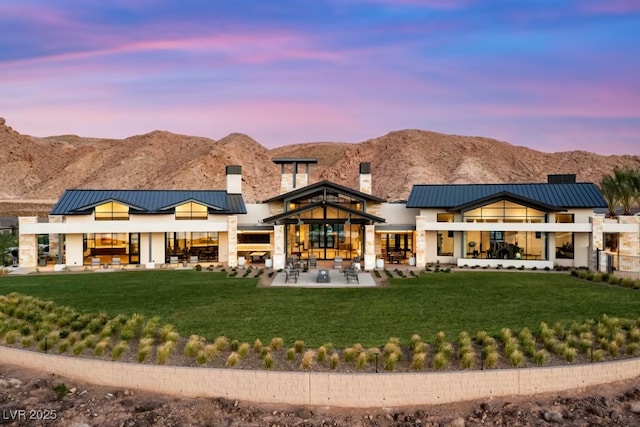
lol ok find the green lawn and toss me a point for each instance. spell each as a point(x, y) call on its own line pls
point(211, 305)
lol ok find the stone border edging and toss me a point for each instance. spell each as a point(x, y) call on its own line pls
point(357, 390)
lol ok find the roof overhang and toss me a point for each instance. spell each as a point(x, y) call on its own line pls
point(292, 216)
point(182, 202)
point(319, 187)
point(85, 208)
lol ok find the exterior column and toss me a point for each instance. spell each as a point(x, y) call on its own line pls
point(56, 247)
point(597, 240)
point(628, 244)
point(421, 242)
point(279, 257)
point(369, 247)
point(232, 240)
point(28, 244)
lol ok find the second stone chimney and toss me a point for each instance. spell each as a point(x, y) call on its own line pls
point(234, 179)
point(365, 178)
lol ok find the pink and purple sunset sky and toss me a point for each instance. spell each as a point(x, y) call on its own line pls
point(547, 74)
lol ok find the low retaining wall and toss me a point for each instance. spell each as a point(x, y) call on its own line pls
point(334, 389)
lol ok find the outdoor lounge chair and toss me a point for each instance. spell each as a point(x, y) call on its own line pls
point(193, 259)
point(313, 261)
point(115, 262)
point(337, 262)
point(95, 262)
point(291, 274)
point(173, 261)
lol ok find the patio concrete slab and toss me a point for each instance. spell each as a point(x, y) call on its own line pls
point(338, 280)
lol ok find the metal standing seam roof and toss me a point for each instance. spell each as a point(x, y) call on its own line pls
point(147, 201)
point(574, 195)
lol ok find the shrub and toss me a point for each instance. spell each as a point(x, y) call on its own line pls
point(420, 347)
point(198, 267)
point(440, 360)
point(334, 360)
point(63, 346)
point(267, 361)
point(257, 346)
point(26, 341)
point(233, 359)
point(201, 358)
point(298, 345)
point(350, 354)
point(276, 343)
point(597, 355)
point(390, 362)
point(467, 359)
point(307, 359)
point(11, 337)
point(211, 351)
point(77, 348)
point(322, 354)
point(516, 358)
point(164, 352)
point(243, 350)
point(291, 354)
point(540, 357)
point(222, 343)
point(102, 346)
point(193, 346)
point(418, 360)
point(491, 358)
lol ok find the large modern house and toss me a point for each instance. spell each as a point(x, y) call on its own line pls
point(532, 225)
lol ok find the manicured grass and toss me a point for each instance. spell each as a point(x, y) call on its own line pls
point(211, 305)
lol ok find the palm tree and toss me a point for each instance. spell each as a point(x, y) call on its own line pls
point(624, 179)
point(609, 189)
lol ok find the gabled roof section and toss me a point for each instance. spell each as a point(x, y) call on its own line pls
point(504, 195)
point(295, 212)
point(75, 202)
point(182, 202)
point(556, 196)
point(314, 188)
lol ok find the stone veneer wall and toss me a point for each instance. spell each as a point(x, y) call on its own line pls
point(365, 183)
point(28, 244)
point(324, 388)
point(232, 241)
point(629, 245)
point(54, 239)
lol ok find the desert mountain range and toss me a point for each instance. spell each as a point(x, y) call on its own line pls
point(37, 170)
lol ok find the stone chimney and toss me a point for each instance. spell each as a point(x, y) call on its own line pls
point(234, 179)
point(365, 178)
point(292, 175)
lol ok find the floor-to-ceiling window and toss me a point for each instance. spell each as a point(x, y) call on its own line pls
point(184, 245)
point(564, 240)
point(505, 244)
point(396, 247)
point(107, 246)
point(445, 237)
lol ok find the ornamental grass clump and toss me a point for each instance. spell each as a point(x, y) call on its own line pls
point(11, 337)
point(298, 345)
point(321, 354)
point(26, 341)
point(415, 338)
point(267, 361)
point(144, 349)
point(102, 347)
point(570, 354)
point(516, 358)
point(418, 361)
point(234, 345)
point(169, 333)
point(201, 358)
point(420, 347)
point(233, 359)
point(540, 357)
point(276, 344)
point(634, 334)
point(373, 354)
point(164, 352)
point(211, 351)
point(350, 354)
point(632, 348)
point(222, 343)
point(334, 360)
point(361, 360)
point(391, 361)
point(467, 359)
point(440, 360)
point(243, 350)
point(63, 346)
point(77, 348)
point(290, 354)
point(257, 346)
point(307, 359)
point(194, 345)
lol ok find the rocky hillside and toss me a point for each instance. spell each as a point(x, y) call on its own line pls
point(38, 170)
